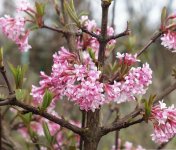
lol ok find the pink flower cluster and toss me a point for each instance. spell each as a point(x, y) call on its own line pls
point(127, 59)
point(135, 83)
point(14, 29)
point(126, 146)
point(78, 79)
point(164, 122)
point(74, 78)
point(88, 42)
point(169, 40)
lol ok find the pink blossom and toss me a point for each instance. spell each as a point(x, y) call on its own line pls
point(164, 122)
point(169, 40)
point(88, 42)
point(23, 5)
point(14, 29)
point(78, 79)
point(135, 83)
point(79, 82)
point(128, 145)
point(127, 59)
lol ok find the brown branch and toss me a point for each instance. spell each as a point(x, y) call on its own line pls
point(90, 33)
point(62, 122)
point(54, 29)
point(3, 72)
point(124, 33)
point(152, 40)
point(61, 31)
point(126, 121)
point(83, 124)
point(103, 36)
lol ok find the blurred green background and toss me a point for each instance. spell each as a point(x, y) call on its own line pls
point(144, 18)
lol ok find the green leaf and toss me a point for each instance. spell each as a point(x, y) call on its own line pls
point(72, 5)
point(163, 16)
point(69, 7)
point(31, 132)
point(26, 118)
point(91, 53)
point(83, 13)
point(40, 8)
point(148, 106)
point(47, 133)
point(47, 98)
point(1, 57)
point(34, 27)
point(20, 94)
point(18, 74)
point(12, 69)
point(147, 111)
point(151, 100)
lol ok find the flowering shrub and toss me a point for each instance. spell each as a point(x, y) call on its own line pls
point(83, 77)
point(164, 122)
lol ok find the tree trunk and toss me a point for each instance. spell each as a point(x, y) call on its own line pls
point(93, 136)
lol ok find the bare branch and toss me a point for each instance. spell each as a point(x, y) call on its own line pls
point(62, 122)
point(128, 119)
point(3, 72)
point(124, 33)
point(152, 40)
point(90, 33)
point(103, 36)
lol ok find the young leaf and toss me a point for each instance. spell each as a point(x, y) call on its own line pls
point(26, 118)
point(47, 98)
point(151, 100)
point(40, 9)
point(163, 16)
point(18, 74)
point(47, 133)
point(69, 7)
point(91, 53)
point(21, 94)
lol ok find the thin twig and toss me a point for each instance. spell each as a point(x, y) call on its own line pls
point(3, 72)
point(152, 40)
point(61, 31)
point(126, 121)
point(103, 35)
point(124, 33)
point(117, 131)
point(83, 126)
point(62, 122)
point(90, 33)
